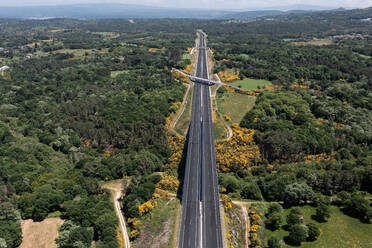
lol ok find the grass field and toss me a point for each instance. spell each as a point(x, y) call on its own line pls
point(340, 231)
point(116, 73)
point(78, 53)
point(235, 105)
point(250, 84)
point(158, 228)
point(107, 34)
point(219, 130)
point(364, 56)
point(315, 42)
point(289, 39)
point(184, 120)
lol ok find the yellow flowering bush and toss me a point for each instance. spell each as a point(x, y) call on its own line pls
point(145, 207)
point(240, 152)
point(229, 75)
point(168, 183)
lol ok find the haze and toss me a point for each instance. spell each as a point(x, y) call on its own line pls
point(212, 4)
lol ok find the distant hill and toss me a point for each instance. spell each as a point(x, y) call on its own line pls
point(100, 11)
point(261, 13)
point(300, 7)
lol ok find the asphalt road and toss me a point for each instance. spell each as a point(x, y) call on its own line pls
point(200, 223)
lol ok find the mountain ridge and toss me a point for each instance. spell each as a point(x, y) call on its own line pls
point(116, 10)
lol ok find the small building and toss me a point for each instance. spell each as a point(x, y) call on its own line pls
point(4, 68)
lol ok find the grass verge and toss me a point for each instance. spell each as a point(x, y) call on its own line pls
point(235, 105)
point(159, 226)
point(184, 121)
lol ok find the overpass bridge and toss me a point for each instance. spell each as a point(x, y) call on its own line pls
point(205, 81)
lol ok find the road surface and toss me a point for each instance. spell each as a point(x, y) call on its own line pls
point(200, 221)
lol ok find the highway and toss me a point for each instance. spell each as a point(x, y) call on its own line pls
point(200, 221)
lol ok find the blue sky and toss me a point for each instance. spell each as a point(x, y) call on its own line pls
point(215, 4)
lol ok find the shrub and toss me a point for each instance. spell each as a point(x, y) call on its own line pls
point(251, 191)
point(295, 217)
point(298, 234)
point(313, 232)
point(323, 212)
point(274, 242)
point(296, 193)
point(273, 221)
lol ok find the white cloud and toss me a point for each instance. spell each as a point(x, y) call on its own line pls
point(226, 4)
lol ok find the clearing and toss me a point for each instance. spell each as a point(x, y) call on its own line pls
point(314, 42)
point(114, 74)
point(340, 230)
point(235, 105)
point(40, 234)
point(250, 83)
point(78, 53)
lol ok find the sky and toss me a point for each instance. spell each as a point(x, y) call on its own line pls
point(211, 4)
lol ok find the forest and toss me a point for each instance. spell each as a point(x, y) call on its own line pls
point(87, 101)
point(312, 126)
point(67, 123)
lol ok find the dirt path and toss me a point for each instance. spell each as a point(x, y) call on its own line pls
point(123, 225)
point(116, 188)
point(247, 222)
point(183, 107)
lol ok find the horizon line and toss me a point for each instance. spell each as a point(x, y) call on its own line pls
point(307, 6)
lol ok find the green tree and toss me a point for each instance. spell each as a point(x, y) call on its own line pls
point(274, 208)
point(3, 243)
point(74, 236)
point(274, 242)
point(251, 191)
point(298, 234)
point(323, 212)
point(273, 221)
point(313, 232)
point(297, 193)
point(105, 221)
point(230, 182)
point(295, 217)
point(10, 226)
point(358, 206)
point(10, 231)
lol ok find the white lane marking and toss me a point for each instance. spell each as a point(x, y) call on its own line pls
point(201, 99)
point(206, 58)
point(201, 225)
